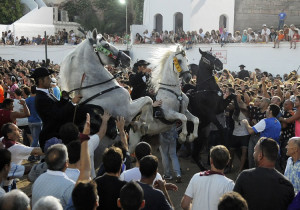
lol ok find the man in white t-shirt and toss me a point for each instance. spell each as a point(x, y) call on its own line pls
point(11, 141)
point(265, 32)
point(19, 152)
point(147, 37)
point(142, 149)
point(206, 188)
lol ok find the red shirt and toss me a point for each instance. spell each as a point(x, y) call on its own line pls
point(4, 118)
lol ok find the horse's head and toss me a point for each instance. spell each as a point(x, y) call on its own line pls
point(180, 65)
point(211, 61)
point(108, 54)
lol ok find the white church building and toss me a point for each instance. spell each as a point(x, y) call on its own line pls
point(189, 15)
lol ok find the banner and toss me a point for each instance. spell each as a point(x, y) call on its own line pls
point(221, 54)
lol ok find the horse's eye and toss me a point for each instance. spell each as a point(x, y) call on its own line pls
point(106, 45)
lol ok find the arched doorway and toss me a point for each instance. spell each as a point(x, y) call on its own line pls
point(158, 21)
point(178, 22)
point(223, 22)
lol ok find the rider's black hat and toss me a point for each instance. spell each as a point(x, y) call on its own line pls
point(242, 65)
point(141, 63)
point(41, 72)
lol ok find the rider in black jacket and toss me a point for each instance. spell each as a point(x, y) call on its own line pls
point(138, 80)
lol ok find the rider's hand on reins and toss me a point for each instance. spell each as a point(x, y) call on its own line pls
point(76, 99)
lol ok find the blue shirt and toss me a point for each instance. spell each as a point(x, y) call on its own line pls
point(56, 92)
point(292, 173)
point(282, 16)
point(268, 127)
point(34, 117)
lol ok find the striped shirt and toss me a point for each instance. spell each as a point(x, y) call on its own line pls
point(55, 183)
point(292, 173)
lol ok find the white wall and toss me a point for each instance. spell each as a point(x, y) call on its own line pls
point(205, 14)
point(196, 14)
point(163, 7)
point(32, 30)
point(263, 56)
point(43, 15)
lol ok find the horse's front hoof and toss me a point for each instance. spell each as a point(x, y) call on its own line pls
point(182, 138)
point(191, 138)
point(144, 129)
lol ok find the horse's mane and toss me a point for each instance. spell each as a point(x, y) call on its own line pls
point(159, 62)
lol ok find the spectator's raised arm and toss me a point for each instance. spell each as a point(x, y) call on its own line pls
point(120, 122)
point(85, 162)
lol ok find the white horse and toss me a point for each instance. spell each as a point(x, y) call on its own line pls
point(166, 80)
point(98, 86)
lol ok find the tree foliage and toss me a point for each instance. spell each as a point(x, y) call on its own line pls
point(108, 16)
point(10, 11)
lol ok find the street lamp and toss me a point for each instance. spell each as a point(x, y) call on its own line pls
point(125, 2)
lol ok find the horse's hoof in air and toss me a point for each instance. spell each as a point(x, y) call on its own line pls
point(191, 138)
point(182, 138)
point(144, 129)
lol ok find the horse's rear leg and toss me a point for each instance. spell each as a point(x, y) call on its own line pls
point(172, 115)
point(143, 105)
point(195, 121)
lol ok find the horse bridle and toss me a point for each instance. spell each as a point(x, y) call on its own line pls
point(177, 65)
point(106, 52)
point(205, 60)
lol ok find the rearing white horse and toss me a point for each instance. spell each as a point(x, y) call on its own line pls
point(98, 86)
point(165, 79)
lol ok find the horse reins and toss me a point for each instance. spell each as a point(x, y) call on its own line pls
point(108, 53)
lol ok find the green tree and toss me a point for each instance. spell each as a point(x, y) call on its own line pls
point(108, 16)
point(10, 10)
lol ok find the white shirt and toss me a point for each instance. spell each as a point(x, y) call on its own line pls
point(55, 183)
point(207, 190)
point(19, 152)
point(239, 127)
point(44, 90)
point(265, 32)
point(19, 108)
point(93, 143)
point(135, 175)
point(72, 173)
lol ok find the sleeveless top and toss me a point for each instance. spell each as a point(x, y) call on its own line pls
point(4, 118)
point(297, 128)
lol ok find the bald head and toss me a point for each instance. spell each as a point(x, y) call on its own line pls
point(15, 199)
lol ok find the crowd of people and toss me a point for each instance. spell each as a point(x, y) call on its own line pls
point(60, 38)
point(261, 122)
point(221, 36)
